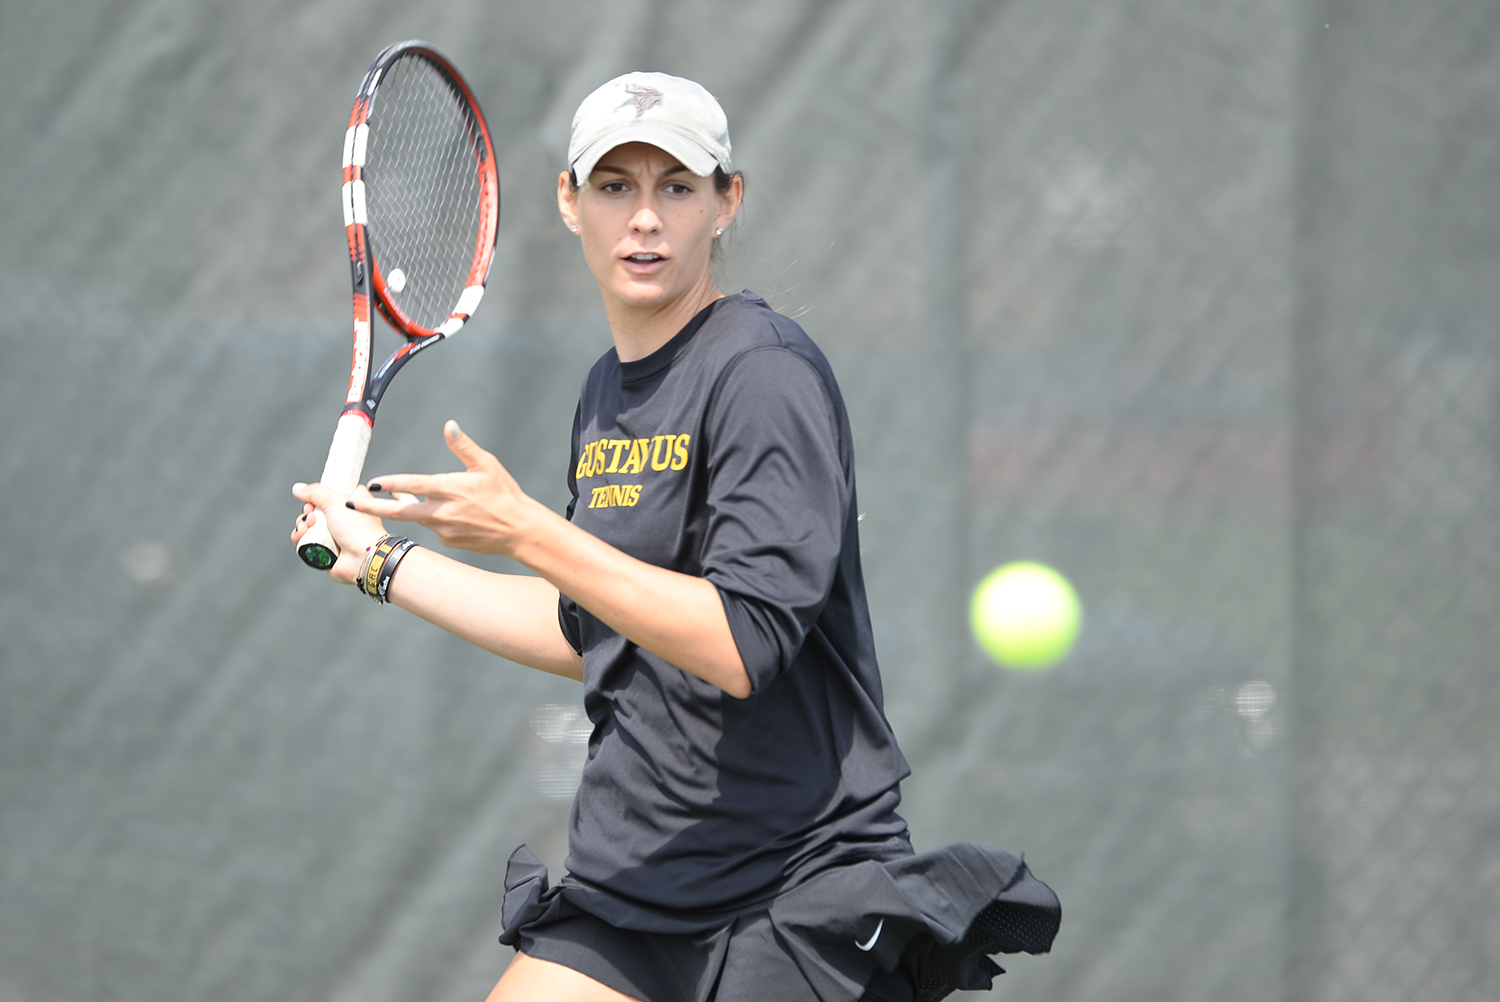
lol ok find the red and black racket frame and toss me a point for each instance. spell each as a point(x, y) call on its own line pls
point(346, 455)
point(367, 387)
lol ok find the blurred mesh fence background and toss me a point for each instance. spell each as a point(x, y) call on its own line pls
point(1195, 300)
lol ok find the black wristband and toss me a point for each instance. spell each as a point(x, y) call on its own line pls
point(376, 563)
point(388, 569)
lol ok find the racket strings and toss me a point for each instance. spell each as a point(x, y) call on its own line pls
point(422, 190)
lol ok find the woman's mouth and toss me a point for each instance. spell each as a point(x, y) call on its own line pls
point(644, 261)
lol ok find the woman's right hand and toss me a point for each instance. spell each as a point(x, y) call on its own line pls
point(354, 531)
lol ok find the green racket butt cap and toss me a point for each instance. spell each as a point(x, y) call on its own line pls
point(317, 556)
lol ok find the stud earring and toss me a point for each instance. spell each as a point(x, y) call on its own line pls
point(719, 232)
point(573, 228)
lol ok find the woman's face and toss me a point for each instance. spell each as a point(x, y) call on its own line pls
point(647, 225)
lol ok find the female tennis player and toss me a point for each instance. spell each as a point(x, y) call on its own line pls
point(735, 834)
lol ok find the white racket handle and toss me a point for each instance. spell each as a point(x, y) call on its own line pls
point(346, 461)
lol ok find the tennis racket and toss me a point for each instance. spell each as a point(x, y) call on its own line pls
point(421, 211)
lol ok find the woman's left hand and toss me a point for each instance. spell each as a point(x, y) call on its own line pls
point(482, 509)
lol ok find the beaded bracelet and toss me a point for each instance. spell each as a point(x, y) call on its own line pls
point(388, 569)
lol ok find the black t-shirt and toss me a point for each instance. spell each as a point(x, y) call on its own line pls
point(727, 454)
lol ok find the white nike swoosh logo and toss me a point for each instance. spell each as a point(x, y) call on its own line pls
point(869, 944)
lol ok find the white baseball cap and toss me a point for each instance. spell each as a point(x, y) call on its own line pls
point(670, 113)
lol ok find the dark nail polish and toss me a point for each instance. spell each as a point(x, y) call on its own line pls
point(350, 506)
point(376, 488)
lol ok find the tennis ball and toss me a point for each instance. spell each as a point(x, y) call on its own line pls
point(1025, 616)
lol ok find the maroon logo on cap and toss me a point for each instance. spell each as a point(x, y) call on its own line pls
point(643, 96)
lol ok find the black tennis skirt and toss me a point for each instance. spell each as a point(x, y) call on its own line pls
point(909, 930)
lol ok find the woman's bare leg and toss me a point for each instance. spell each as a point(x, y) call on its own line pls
point(530, 980)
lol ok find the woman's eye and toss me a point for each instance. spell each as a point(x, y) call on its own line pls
point(679, 189)
point(614, 187)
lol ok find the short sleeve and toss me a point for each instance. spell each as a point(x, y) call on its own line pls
point(778, 497)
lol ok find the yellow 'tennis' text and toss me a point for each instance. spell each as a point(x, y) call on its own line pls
point(633, 455)
point(615, 496)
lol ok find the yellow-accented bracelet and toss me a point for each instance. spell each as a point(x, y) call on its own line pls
point(364, 568)
point(388, 569)
point(376, 561)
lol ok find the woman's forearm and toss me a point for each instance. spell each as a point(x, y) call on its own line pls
point(675, 616)
point(511, 615)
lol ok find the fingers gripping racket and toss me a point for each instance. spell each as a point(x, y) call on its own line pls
point(421, 210)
